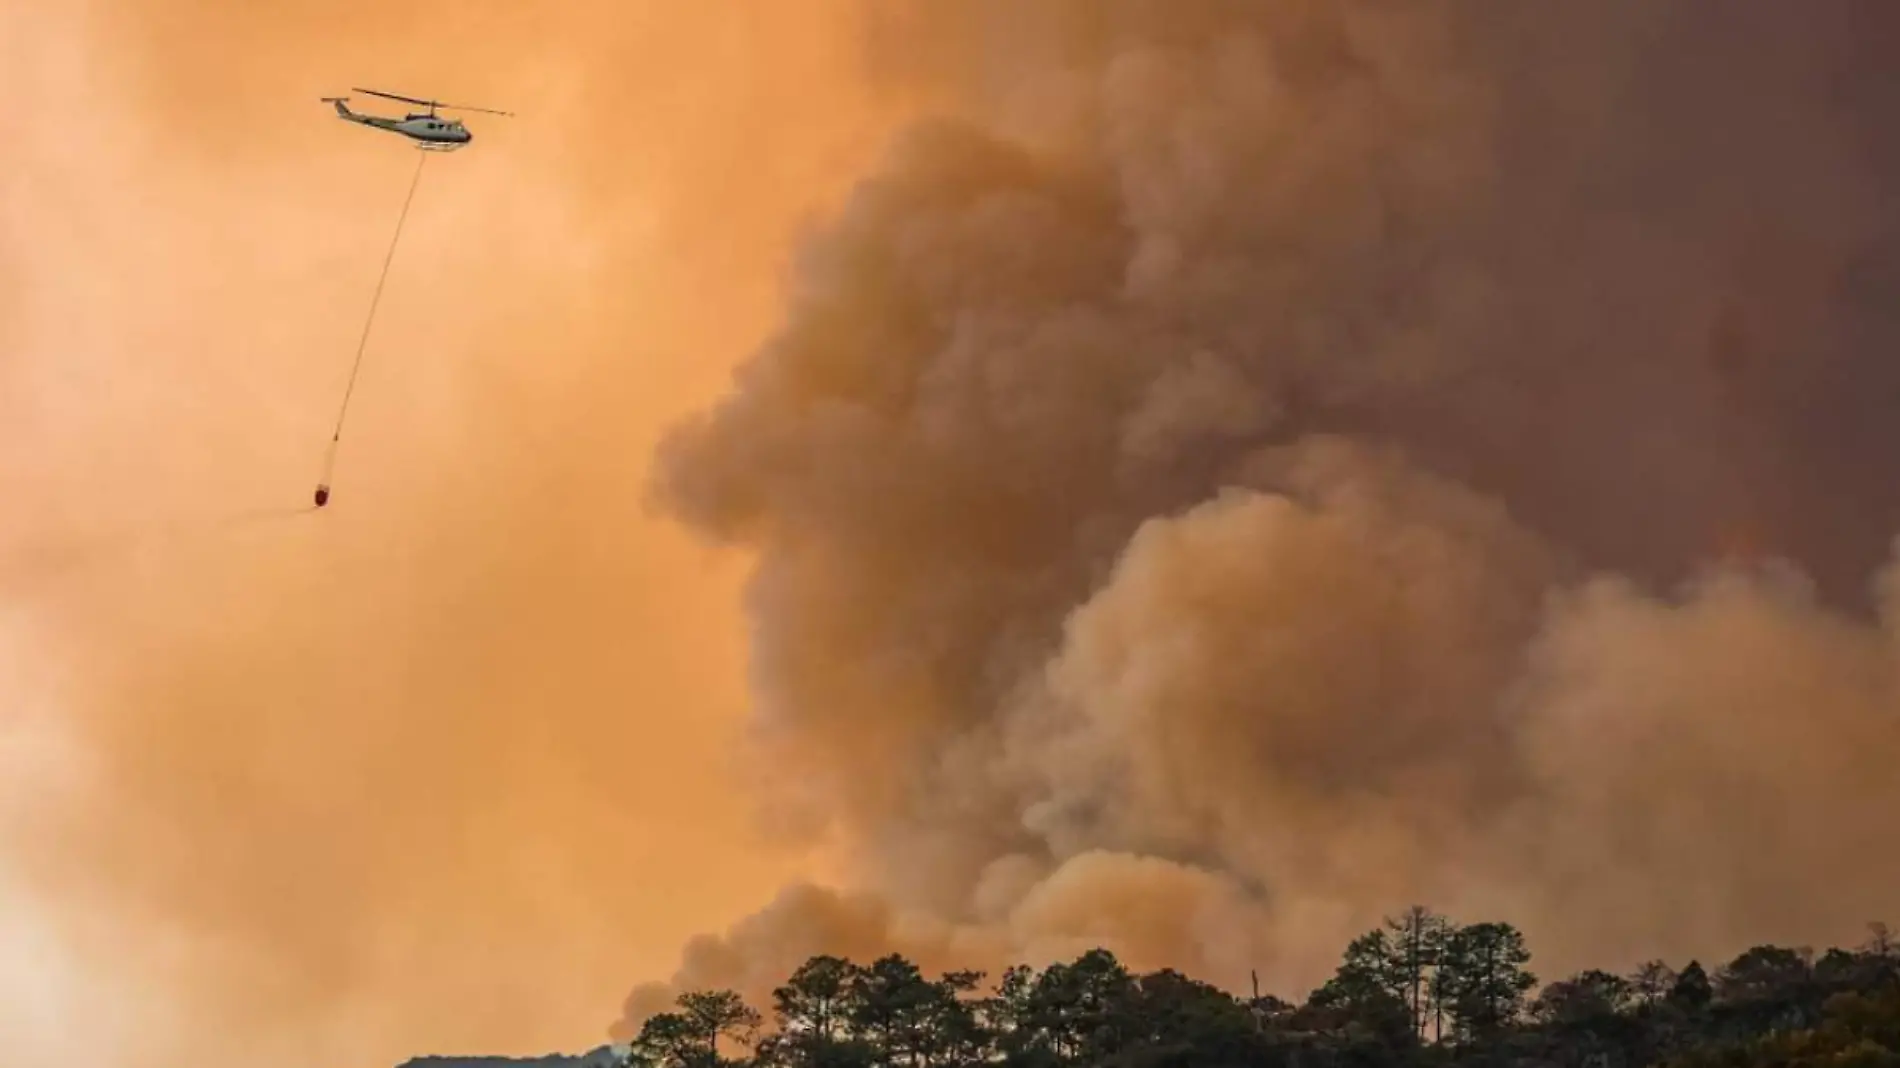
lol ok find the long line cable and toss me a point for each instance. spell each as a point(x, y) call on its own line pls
point(336, 436)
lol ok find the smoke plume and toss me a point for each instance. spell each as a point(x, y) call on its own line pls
point(1246, 467)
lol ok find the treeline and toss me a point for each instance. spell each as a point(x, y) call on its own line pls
point(1418, 991)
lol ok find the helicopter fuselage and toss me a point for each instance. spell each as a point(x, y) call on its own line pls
point(432, 131)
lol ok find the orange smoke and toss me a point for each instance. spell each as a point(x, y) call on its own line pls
point(1227, 471)
point(435, 769)
point(1257, 471)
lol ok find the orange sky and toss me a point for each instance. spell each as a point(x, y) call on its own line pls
point(450, 767)
point(440, 768)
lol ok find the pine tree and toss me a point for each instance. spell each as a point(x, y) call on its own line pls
point(1415, 941)
point(1485, 981)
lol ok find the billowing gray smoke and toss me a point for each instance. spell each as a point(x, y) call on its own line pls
point(1260, 464)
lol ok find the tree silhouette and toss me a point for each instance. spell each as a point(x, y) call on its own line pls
point(1692, 990)
point(1769, 1007)
point(1415, 943)
point(1484, 979)
point(689, 1036)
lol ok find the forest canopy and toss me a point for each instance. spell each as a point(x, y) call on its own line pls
point(1419, 990)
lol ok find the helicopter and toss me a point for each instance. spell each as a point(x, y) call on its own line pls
point(430, 131)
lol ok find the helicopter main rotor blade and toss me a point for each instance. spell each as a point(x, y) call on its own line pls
point(433, 103)
point(397, 96)
point(466, 107)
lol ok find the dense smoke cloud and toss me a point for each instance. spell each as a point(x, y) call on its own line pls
point(1252, 466)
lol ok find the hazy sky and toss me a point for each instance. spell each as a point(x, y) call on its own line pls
point(439, 768)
